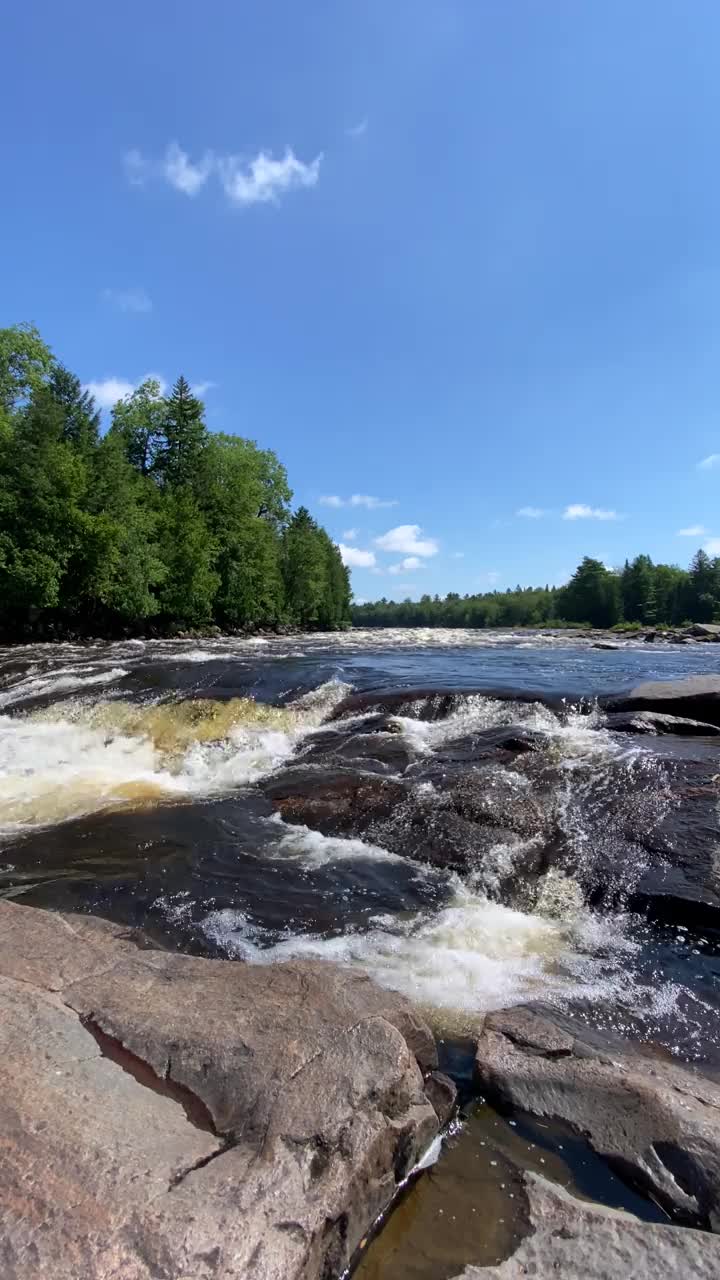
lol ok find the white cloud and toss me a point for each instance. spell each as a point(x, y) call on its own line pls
point(712, 546)
point(135, 166)
point(409, 563)
point(259, 180)
point(182, 174)
point(357, 130)
point(349, 535)
point(357, 500)
point(372, 504)
point(263, 180)
point(108, 392)
point(406, 540)
point(377, 570)
point(531, 513)
point(458, 555)
point(692, 531)
point(579, 511)
point(201, 389)
point(707, 464)
point(128, 299)
point(354, 558)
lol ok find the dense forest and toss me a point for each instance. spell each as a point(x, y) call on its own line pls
point(640, 594)
point(151, 525)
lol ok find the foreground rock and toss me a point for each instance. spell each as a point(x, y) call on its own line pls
point(697, 697)
point(164, 1116)
point(656, 1122)
point(581, 1241)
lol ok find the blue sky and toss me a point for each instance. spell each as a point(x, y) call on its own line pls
point(457, 256)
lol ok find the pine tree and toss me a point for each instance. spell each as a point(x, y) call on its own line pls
point(82, 419)
point(185, 433)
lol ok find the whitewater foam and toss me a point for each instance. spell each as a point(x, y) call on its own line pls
point(82, 757)
point(472, 956)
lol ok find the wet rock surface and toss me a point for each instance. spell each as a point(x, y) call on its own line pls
point(656, 1121)
point(165, 1116)
point(633, 827)
point(581, 1241)
point(697, 697)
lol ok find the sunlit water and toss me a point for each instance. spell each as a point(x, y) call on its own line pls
point(128, 787)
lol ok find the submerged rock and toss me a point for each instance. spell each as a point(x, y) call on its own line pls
point(658, 722)
point(167, 1116)
point(577, 1240)
point(656, 1122)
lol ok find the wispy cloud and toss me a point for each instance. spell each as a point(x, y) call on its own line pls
point(179, 170)
point(579, 511)
point(259, 179)
point(354, 558)
point(356, 500)
point(201, 389)
point(531, 513)
point(357, 130)
point(263, 180)
point(692, 531)
point(707, 464)
point(349, 535)
point(491, 577)
point(135, 166)
point(406, 540)
point(458, 555)
point(408, 564)
point(135, 300)
point(712, 547)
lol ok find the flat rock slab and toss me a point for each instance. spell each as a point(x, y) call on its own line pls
point(164, 1117)
point(697, 697)
point(576, 1240)
point(655, 1121)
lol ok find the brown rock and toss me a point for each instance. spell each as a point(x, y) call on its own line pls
point(167, 1117)
point(655, 1121)
point(576, 1240)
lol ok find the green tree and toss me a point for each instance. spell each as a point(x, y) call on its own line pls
point(139, 420)
point(25, 363)
point(185, 437)
point(187, 551)
point(81, 425)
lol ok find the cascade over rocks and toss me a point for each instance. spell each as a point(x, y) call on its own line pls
point(165, 1116)
point(635, 829)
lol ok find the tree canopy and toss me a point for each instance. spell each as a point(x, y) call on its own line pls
point(641, 594)
point(154, 523)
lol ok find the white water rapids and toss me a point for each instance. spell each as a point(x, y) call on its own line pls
point(93, 752)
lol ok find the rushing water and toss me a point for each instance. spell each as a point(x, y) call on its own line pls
point(129, 787)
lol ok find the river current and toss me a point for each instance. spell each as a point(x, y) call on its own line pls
point(130, 787)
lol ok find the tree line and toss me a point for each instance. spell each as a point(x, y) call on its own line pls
point(151, 525)
point(640, 594)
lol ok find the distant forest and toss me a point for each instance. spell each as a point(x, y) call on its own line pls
point(641, 594)
point(154, 524)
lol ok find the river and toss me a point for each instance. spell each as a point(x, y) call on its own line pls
point(135, 780)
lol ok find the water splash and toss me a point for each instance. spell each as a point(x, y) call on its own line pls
point(81, 757)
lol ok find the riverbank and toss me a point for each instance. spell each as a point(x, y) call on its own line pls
point(169, 1116)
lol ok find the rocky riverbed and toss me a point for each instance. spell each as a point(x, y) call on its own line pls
point(307, 938)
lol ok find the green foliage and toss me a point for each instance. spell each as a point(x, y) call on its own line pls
point(317, 585)
point(641, 594)
point(156, 522)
